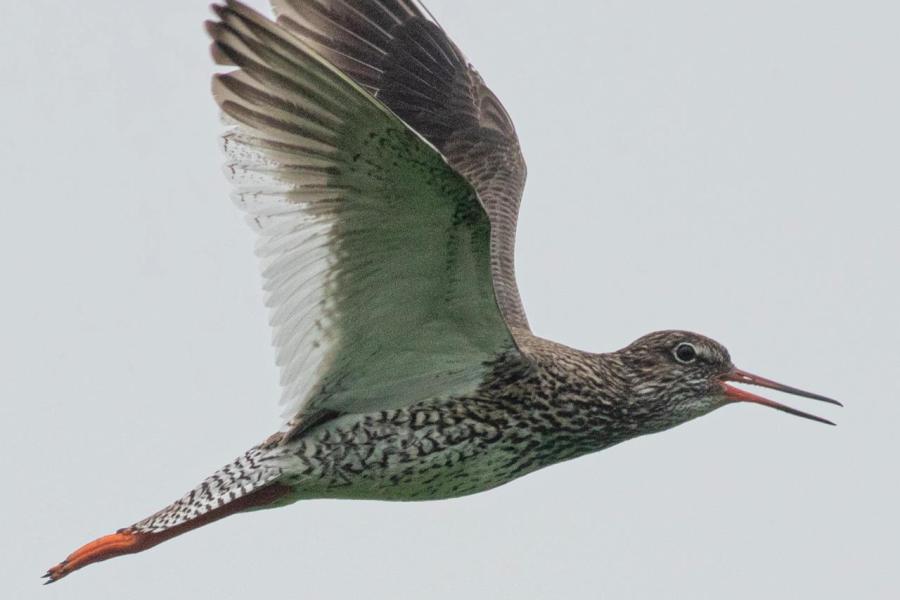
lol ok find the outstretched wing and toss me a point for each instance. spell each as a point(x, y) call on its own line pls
point(396, 51)
point(376, 253)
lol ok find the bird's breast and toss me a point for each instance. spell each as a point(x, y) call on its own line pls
point(433, 450)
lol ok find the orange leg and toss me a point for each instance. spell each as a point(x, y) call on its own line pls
point(129, 541)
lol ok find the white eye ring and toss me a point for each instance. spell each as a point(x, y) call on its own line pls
point(685, 353)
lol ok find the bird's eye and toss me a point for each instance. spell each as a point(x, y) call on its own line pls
point(685, 353)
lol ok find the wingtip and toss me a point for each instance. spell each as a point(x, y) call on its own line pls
point(219, 55)
point(217, 8)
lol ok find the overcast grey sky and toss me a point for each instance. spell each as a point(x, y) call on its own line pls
point(725, 167)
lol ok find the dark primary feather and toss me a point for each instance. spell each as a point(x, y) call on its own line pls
point(398, 53)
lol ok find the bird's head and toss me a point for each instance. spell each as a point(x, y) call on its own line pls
point(675, 376)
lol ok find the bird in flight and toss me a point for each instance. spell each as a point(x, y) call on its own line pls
point(384, 179)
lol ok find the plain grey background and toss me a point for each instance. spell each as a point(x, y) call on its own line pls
point(725, 167)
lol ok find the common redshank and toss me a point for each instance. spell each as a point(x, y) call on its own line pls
point(384, 179)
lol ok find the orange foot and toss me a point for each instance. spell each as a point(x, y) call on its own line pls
point(108, 546)
point(129, 541)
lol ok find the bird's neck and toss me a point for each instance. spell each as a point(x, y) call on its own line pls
point(570, 402)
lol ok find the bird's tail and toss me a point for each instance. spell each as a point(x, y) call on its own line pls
point(245, 484)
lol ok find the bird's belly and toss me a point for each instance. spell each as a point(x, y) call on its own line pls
point(424, 454)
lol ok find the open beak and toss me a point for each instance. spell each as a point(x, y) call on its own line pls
point(738, 395)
